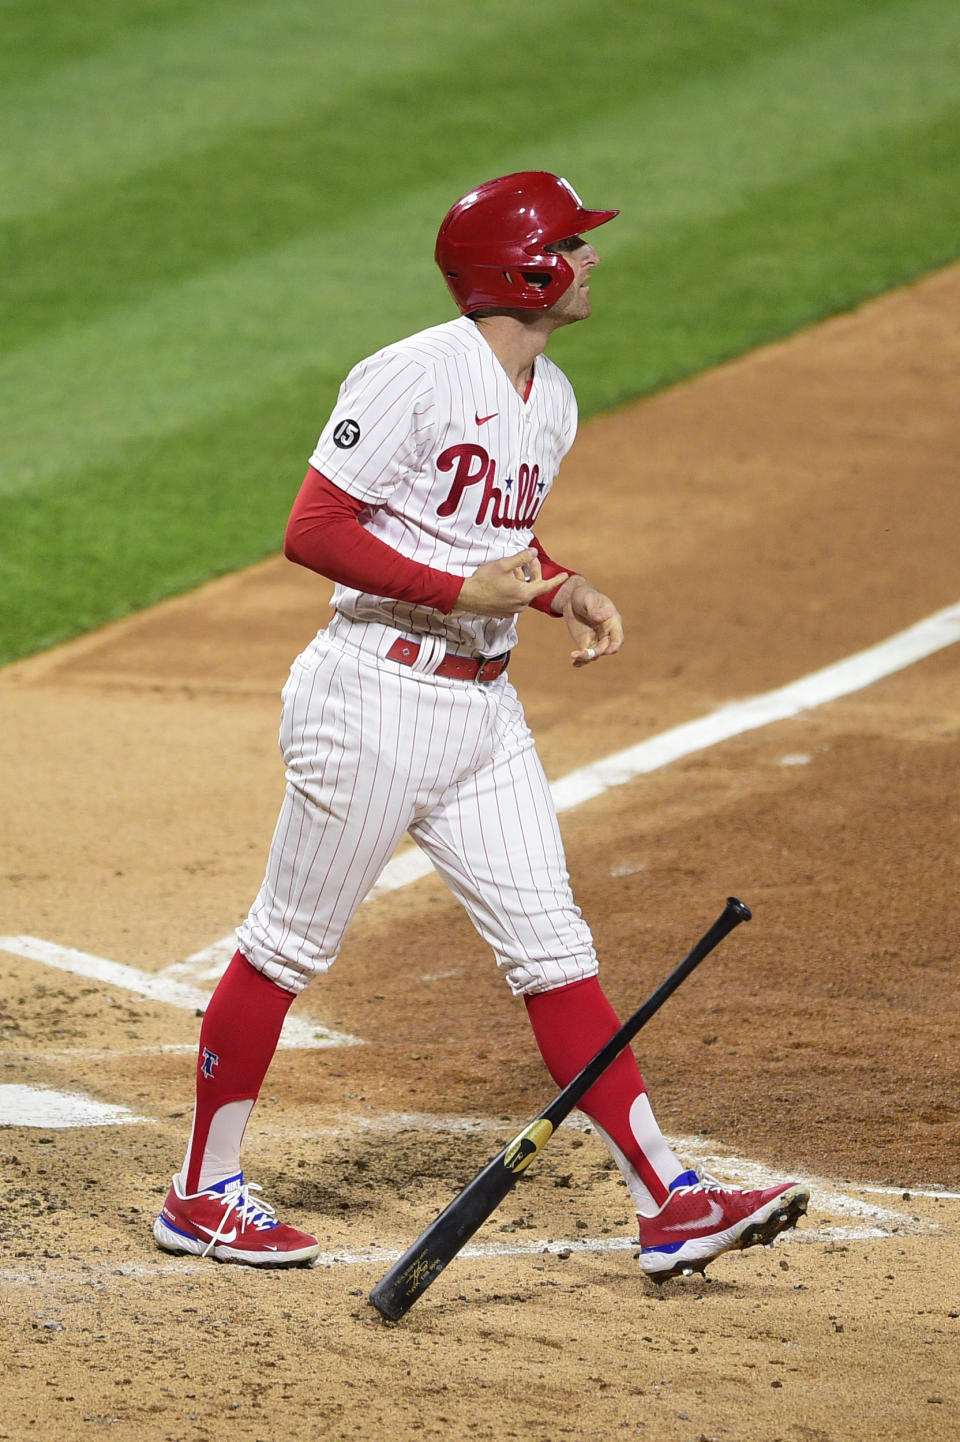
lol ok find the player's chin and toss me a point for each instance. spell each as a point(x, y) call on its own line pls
point(572, 308)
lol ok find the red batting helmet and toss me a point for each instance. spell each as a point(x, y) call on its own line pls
point(492, 244)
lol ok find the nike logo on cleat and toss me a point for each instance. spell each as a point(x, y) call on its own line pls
point(225, 1237)
point(716, 1215)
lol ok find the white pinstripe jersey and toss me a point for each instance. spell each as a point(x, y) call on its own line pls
point(452, 463)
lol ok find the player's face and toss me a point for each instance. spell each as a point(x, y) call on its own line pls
point(581, 257)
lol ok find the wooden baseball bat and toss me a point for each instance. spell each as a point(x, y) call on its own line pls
point(422, 1263)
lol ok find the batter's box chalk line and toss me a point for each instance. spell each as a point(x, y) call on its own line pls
point(47, 1109)
point(378, 1257)
point(161, 987)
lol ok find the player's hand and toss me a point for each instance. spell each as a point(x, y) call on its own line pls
point(504, 587)
point(593, 621)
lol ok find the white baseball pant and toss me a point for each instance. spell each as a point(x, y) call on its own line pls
point(374, 749)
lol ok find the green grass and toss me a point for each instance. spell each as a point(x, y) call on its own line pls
point(208, 212)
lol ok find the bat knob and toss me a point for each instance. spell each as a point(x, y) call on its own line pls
point(740, 909)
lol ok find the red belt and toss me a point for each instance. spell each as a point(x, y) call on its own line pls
point(460, 668)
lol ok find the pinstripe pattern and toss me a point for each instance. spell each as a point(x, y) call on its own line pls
point(495, 840)
point(374, 749)
point(415, 403)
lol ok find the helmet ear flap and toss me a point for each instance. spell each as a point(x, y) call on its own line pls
point(533, 286)
point(492, 245)
point(550, 273)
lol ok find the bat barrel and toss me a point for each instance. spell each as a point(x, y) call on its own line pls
point(423, 1262)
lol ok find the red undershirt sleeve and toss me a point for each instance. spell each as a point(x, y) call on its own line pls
point(325, 535)
point(549, 568)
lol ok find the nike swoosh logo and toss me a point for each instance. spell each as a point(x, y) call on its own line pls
point(716, 1215)
point(225, 1237)
point(482, 420)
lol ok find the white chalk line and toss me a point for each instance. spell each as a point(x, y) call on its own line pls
point(841, 679)
point(907, 1192)
point(42, 1107)
point(542, 1246)
point(828, 1196)
point(380, 1256)
point(296, 1032)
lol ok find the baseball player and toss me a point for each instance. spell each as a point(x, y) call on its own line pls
point(422, 503)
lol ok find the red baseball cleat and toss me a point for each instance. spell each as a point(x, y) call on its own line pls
point(698, 1222)
point(224, 1222)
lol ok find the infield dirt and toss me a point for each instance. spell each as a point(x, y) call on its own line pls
point(761, 522)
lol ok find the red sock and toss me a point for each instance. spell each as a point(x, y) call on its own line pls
point(571, 1024)
point(238, 1037)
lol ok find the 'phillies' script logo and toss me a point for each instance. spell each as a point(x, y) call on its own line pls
point(512, 503)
